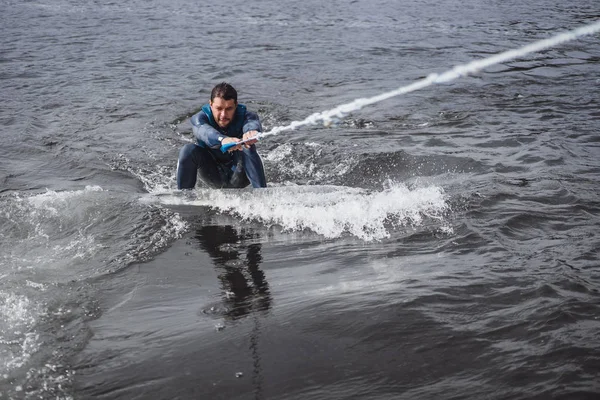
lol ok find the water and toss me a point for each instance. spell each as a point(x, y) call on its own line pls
point(328, 117)
point(441, 244)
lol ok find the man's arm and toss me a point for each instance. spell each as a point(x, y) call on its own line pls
point(204, 132)
point(252, 127)
point(251, 122)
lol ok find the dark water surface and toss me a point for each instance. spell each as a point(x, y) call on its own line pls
point(443, 244)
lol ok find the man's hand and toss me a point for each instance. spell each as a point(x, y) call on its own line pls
point(250, 135)
point(232, 140)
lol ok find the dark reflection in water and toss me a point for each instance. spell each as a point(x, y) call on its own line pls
point(237, 259)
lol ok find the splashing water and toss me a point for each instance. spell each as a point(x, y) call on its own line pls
point(335, 114)
point(330, 211)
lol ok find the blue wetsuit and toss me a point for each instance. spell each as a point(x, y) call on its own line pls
point(234, 169)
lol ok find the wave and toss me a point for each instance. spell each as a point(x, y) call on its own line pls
point(53, 244)
point(330, 211)
point(77, 233)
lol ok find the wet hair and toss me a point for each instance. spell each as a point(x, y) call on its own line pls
point(225, 91)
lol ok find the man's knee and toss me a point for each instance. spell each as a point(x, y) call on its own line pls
point(254, 167)
point(186, 154)
point(250, 152)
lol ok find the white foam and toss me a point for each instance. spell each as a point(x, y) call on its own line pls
point(16, 310)
point(306, 168)
point(45, 200)
point(50, 229)
point(331, 211)
point(18, 342)
point(280, 153)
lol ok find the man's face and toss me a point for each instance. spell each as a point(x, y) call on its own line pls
point(223, 110)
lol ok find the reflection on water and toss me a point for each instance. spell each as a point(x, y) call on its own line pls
point(237, 258)
point(236, 254)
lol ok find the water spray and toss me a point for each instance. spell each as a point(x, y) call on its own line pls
point(328, 117)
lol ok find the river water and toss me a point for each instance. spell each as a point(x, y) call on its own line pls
point(442, 244)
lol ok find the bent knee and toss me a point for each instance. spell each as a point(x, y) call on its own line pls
point(187, 152)
point(249, 151)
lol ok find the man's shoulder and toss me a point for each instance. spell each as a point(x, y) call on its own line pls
point(243, 112)
point(250, 114)
point(202, 116)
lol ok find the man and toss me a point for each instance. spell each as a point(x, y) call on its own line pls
point(222, 121)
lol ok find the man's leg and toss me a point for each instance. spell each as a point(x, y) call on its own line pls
point(238, 178)
point(254, 167)
point(187, 167)
point(193, 158)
